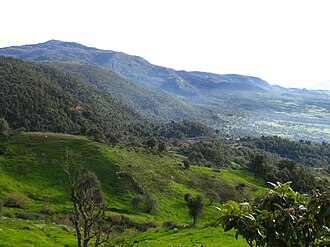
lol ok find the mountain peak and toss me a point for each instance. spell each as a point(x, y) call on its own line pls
point(59, 43)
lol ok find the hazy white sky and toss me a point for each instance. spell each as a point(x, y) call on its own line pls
point(285, 42)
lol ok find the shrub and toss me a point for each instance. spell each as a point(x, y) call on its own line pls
point(16, 199)
point(186, 163)
point(46, 209)
point(151, 224)
point(29, 216)
point(170, 224)
point(149, 203)
point(144, 203)
point(136, 201)
point(8, 215)
point(3, 149)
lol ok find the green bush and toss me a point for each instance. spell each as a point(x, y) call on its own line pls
point(16, 199)
point(46, 209)
point(29, 216)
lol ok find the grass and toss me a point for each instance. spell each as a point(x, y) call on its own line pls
point(209, 237)
point(35, 164)
point(19, 232)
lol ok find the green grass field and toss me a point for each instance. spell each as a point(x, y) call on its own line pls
point(35, 165)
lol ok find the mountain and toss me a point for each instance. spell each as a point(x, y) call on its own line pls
point(236, 104)
point(41, 98)
point(136, 68)
point(153, 102)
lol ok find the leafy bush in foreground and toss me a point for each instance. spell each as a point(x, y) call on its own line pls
point(282, 218)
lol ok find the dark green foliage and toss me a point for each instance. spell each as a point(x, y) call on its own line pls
point(29, 216)
point(269, 166)
point(303, 180)
point(195, 206)
point(215, 153)
point(258, 164)
point(121, 222)
point(162, 147)
point(145, 203)
point(60, 102)
point(184, 129)
point(96, 134)
point(40, 98)
point(151, 142)
point(136, 201)
point(282, 218)
point(186, 163)
point(150, 203)
point(304, 152)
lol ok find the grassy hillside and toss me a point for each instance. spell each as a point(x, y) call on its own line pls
point(34, 164)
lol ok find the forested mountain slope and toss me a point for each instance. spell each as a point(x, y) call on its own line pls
point(38, 97)
point(41, 98)
point(242, 105)
point(154, 102)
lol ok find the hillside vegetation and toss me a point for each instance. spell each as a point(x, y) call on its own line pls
point(40, 98)
point(162, 155)
point(34, 165)
point(244, 105)
point(156, 103)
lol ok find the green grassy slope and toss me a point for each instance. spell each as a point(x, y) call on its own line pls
point(34, 164)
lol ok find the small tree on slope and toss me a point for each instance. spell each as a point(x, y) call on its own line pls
point(89, 210)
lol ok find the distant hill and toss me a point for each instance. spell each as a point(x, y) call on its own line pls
point(41, 98)
point(236, 104)
point(136, 68)
point(154, 102)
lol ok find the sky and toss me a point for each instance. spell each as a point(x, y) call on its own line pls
point(285, 42)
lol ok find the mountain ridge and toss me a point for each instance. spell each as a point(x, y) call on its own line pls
point(127, 65)
point(243, 105)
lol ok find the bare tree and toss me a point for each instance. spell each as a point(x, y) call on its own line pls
point(89, 210)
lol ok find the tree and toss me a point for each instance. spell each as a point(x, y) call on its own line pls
point(186, 164)
point(151, 142)
point(89, 210)
point(282, 218)
point(195, 206)
point(258, 164)
point(161, 147)
point(4, 128)
point(96, 134)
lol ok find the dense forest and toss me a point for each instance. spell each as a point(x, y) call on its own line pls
point(303, 151)
point(59, 102)
point(270, 166)
point(156, 103)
